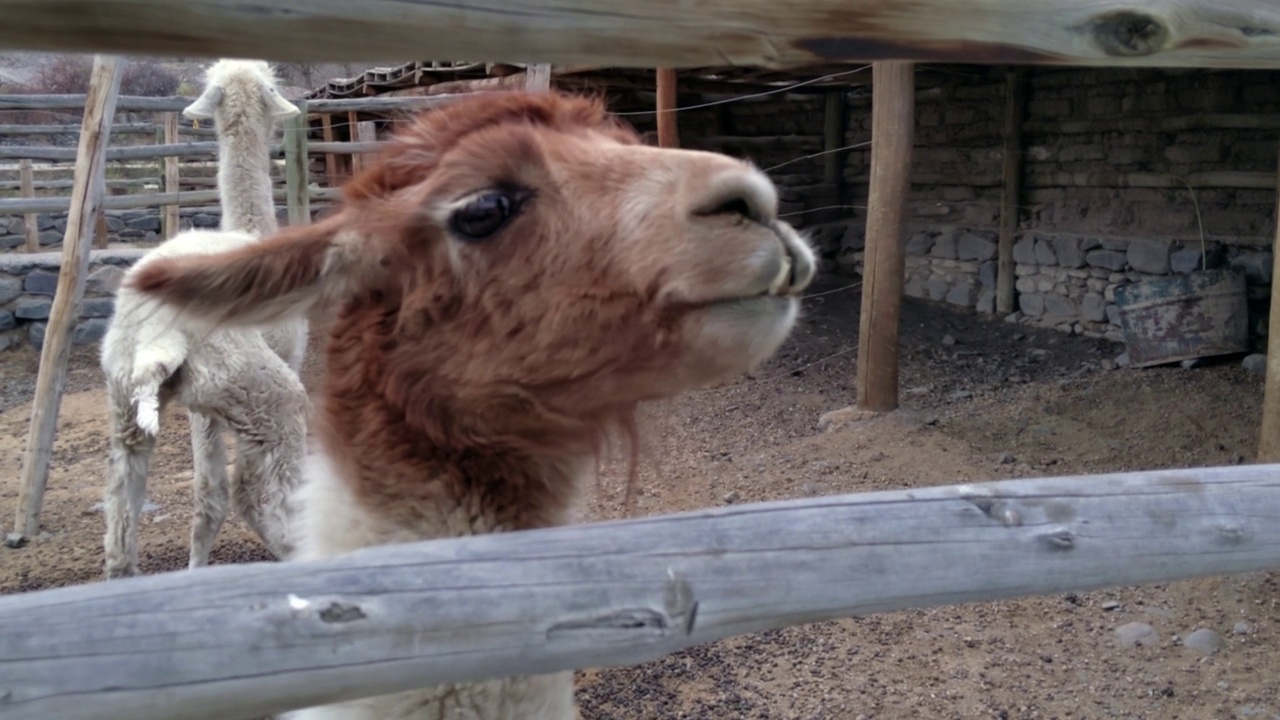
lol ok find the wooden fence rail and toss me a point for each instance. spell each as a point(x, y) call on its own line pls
point(176, 103)
point(180, 150)
point(1203, 33)
point(117, 129)
point(242, 641)
point(45, 205)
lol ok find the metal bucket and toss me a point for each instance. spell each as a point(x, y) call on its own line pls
point(1181, 317)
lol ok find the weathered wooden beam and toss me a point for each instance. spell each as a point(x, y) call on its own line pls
point(244, 641)
point(1186, 33)
point(537, 78)
point(172, 183)
point(86, 200)
point(1179, 123)
point(1015, 103)
point(297, 166)
point(1269, 440)
point(30, 221)
point(884, 264)
point(667, 107)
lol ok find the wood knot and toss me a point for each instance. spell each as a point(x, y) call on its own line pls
point(1060, 539)
point(341, 613)
point(1128, 33)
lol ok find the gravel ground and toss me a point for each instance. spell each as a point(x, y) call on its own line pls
point(982, 400)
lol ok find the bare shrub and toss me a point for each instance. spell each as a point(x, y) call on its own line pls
point(69, 75)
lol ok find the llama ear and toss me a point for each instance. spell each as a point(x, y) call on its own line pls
point(275, 279)
point(280, 108)
point(205, 105)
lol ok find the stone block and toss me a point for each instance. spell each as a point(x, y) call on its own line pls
point(1093, 308)
point(915, 288)
point(10, 288)
point(937, 288)
point(1149, 255)
point(40, 282)
point(35, 333)
point(1257, 266)
point(104, 280)
point(1185, 261)
point(33, 308)
point(50, 237)
point(7, 322)
point(920, 243)
point(1109, 259)
point(987, 301)
point(1024, 251)
point(97, 307)
point(975, 246)
point(963, 294)
point(1044, 253)
point(89, 331)
point(987, 273)
point(145, 223)
point(1113, 314)
point(1031, 305)
point(1069, 252)
point(1025, 285)
point(944, 247)
point(1061, 307)
point(854, 238)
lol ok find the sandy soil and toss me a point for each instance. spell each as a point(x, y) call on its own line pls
point(1001, 401)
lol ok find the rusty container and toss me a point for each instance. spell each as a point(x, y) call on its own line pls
point(1182, 317)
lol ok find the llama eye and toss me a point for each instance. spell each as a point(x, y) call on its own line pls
point(483, 216)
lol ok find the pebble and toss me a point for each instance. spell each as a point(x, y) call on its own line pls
point(1193, 362)
point(1122, 360)
point(1242, 628)
point(1136, 634)
point(1111, 605)
point(15, 540)
point(960, 395)
point(1255, 363)
point(732, 497)
point(877, 457)
point(1205, 640)
point(1006, 459)
point(948, 340)
point(1108, 364)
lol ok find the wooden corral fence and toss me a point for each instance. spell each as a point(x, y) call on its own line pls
point(299, 188)
point(243, 641)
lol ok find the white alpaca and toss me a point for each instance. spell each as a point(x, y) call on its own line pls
point(244, 380)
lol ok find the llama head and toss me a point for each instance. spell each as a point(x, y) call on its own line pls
point(240, 91)
point(518, 256)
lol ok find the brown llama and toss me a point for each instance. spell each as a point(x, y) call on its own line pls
point(513, 275)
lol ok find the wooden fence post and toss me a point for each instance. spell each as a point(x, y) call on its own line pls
point(668, 99)
point(86, 198)
point(30, 221)
point(169, 219)
point(355, 163)
point(537, 78)
point(100, 228)
point(1269, 442)
point(1011, 185)
point(297, 166)
point(892, 137)
point(330, 160)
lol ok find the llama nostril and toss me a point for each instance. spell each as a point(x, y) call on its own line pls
point(735, 206)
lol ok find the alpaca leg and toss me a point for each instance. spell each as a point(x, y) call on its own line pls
point(262, 487)
point(270, 443)
point(127, 465)
point(212, 499)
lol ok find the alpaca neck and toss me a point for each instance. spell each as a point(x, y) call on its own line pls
point(244, 179)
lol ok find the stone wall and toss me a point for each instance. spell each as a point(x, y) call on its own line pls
point(28, 283)
point(1092, 139)
point(132, 227)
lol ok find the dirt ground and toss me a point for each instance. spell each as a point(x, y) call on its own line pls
point(1001, 401)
